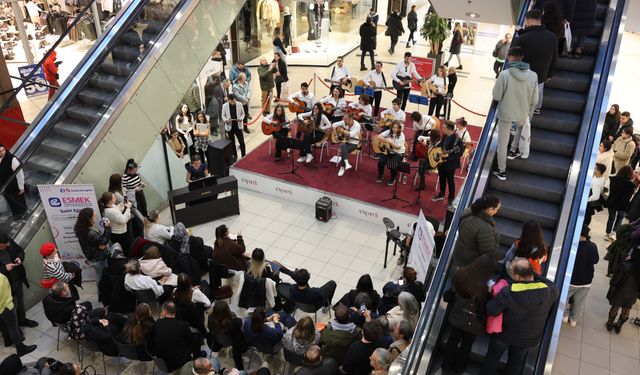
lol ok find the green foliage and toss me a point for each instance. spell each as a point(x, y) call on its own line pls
point(436, 30)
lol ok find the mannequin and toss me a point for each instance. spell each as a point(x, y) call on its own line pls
point(286, 27)
point(311, 20)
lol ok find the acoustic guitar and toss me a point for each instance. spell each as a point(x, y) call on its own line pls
point(372, 85)
point(305, 126)
point(296, 105)
point(405, 83)
point(345, 84)
point(337, 136)
point(328, 109)
point(386, 122)
point(437, 155)
point(274, 127)
point(380, 146)
point(357, 113)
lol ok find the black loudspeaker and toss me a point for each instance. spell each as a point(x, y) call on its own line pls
point(324, 208)
point(220, 157)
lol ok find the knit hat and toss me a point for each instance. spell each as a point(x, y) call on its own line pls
point(11, 365)
point(47, 249)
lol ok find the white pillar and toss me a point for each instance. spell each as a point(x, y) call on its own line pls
point(96, 18)
point(17, 14)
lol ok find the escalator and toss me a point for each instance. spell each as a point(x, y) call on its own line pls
point(119, 97)
point(551, 187)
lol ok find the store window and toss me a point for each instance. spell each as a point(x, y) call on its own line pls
point(314, 32)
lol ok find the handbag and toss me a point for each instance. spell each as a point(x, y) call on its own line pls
point(223, 292)
point(464, 315)
point(567, 37)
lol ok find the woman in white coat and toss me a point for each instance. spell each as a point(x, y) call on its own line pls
point(118, 215)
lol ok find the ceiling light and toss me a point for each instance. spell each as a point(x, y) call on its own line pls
point(472, 15)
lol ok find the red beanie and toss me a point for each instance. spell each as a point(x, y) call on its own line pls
point(47, 249)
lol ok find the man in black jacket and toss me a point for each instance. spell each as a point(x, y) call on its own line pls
point(583, 270)
point(11, 265)
point(315, 364)
point(524, 305)
point(59, 304)
point(171, 339)
point(540, 49)
point(367, 42)
point(453, 148)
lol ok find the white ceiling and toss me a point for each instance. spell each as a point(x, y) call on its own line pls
point(490, 11)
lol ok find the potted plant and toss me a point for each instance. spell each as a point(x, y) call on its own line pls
point(436, 30)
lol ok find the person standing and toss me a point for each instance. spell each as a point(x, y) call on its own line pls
point(242, 92)
point(582, 25)
point(539, 49)
point(456, 44)
point(277, 42)
point(477, 233)
point(375, 79)
point(339, 74)
point(280, 76)
point(623, 148)
point(265, 73)
point(14, 192)
point(621, 189)
point(50, 69)
point(213, 107)
point(8, 317)
point(394, 29)
point(232, 114)
point(583, 269)
point(623, 290)
point(437, 89)
point(524, 306)
point(453, 148)
point(131, 181)
point(516, 91)
point(11, 265)
point(93, 242)
point(374, 17)
point(367, 42)
point(402, 75)
point(412, 25)
point(500, 53)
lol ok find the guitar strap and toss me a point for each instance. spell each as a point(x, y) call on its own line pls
point(384, 81)
point(332, 72)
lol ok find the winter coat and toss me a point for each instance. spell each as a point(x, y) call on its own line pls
point(605, 158)
point(620, 192)
point(234, 72)
point(192, 98)
point(502, 49)
point(335, 342)
point(412, 20)
point(610, 126)
point(516, 91)
point(525, 307)
point(367, 37)
point(477, 235)
point(622, 151)
point(456, 43)
point(617, 251)
point(265, 73)
point(584, 18)
point(540, 49)
point(586, 258)
point(90, 245)
point(18, 273)
point(230, 253)
point(58, 309)
point(50, 68)
point(623, 286)
point(394, 25)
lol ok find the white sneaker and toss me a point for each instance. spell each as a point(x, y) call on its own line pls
point(341, 172)
point(302, 159)
point(347, 166)
point(572, 323)
point(565, 319)
point(309, 158)
point(612, 237)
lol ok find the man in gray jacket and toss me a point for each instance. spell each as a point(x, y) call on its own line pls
point(516, 91)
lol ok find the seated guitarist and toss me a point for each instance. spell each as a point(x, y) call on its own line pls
point(422, 125)
point(393, 141)
point(437, 90)
point(431, 142)
point(314, 133)
point(394, 111)
point(278, 117)
point(402, 75)
point(363, 107)
point(303, 95)
point(453, 147)
point(336, 99)
point(349, 130)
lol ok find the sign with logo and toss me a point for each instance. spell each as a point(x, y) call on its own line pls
point(62, 203)
point(34, 89)
point(425, 67)
point(422, 247)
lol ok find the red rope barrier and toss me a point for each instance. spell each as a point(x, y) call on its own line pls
point(467, 109)
point(264, 106)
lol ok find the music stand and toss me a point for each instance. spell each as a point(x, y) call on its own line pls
point(418, 202)
point(403, 167)
point(293, 144)
point(368, 126)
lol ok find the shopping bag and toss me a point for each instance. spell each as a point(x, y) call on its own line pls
point(567, 37)
point(525, 139)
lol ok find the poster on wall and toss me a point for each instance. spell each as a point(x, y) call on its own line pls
point(34, 89)
point(424, 67)
point(422, 247)
point(62, 203)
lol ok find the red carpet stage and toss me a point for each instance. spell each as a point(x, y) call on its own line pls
point(358, 185)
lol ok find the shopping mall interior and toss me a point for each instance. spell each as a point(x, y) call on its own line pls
point(92, 89)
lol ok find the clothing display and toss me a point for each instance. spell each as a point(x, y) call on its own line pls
point(268, 12)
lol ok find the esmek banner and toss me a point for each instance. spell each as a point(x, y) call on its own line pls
point(34, 89)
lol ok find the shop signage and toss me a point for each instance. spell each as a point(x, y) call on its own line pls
point(422, 247)
point(34, 89)
point(62, 203)
point(425, 67)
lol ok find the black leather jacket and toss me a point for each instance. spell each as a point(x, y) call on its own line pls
point(91, 244)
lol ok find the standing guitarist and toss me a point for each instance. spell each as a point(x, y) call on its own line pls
point(392, 151)
point(430, 161)
point(303, 95)
point(339, 74)
point(402, 75)
point(453, 148)
point(349, 131)
point(375, 79)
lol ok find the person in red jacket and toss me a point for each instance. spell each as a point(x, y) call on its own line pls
point(50, 68)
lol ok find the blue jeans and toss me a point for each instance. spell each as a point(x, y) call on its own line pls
point(578, 42)
point(98, 266)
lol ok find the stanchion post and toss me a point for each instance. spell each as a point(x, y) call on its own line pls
point(315, 83)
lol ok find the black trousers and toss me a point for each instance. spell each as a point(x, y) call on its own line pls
point(10, 322)
point(308, 140)
point(436, 103)
point(517, 357)
point(404, 95)
point(394, 159)
point(141, 201)
point(246, 114)
point(411, 38)
point(326, 292)
point(17, 202)
point(457, 350)
point(124, 239)
point(17, 289)
point(377, 97)
point(280, 137)
point(497, 67)
point(447, 176)
point(279, 88)
point(236, 132)
point(371, 54)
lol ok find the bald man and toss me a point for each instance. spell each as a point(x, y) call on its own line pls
point(314, 364)
point(267, 83)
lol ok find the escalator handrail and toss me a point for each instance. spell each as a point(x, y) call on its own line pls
point(427, 316)
point(586, 150)
point(43, 123)
point(27, 80)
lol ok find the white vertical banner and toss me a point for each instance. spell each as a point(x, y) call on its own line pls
point(62, 203)
point(422, 247)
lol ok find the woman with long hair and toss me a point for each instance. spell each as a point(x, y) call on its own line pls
point(152, 265)
point(623, 290)
point(277, 42)
point(93, 241)
point(138, 329)
point(135, 227)
point(118, 215)
point(281, 75)
point(184, 123)
point(259, 267)
point(611, 123)
point(257, 332)
point(318, 124)
point(456, 44)
point(394, 141)
point(477, 233)
point(470, 291)
point(190, 302)
point(621, 189)
point(336, 99)
point(408, 309)
point(278, 117)
point(222, 322)
point(605, 157)
point(364, 285)
point(302, 336)
point(201, 134)
point(437, 90)
point(553, 20)
point(530, 246)
point(229, 252)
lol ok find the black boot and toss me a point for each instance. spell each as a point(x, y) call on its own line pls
point(25, 349)
point(618, 326)
point(610, 323)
